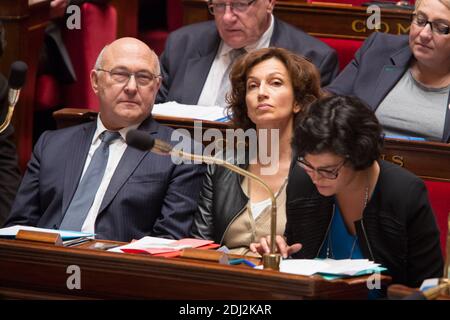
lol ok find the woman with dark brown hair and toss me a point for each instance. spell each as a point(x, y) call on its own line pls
point(269, 88)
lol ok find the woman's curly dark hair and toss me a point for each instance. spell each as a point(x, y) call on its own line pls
point(341, 125)
point(304, 76)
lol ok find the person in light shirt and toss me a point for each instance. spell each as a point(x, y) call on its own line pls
point(270, 87)
point(197, 58)
point(406, 79)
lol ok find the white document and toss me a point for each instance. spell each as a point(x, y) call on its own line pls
point(11, 232)
point(144, 243)
point(308, 267)
point(174, 109)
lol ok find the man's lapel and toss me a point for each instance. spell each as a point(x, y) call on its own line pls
point(198, 68)
point(389, 75)
point(127, 164)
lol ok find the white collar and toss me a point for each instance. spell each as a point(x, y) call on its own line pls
point(263, 41)
point(101, 128)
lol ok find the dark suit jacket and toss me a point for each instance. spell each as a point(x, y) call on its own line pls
point(377, 67)
point(190, 52)
point(147, 195)
point(9, 170)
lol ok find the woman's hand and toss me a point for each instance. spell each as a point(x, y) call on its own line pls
point(264, 246)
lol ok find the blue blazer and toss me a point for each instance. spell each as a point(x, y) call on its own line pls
point(377, 67)
point(190, 52)
point(147, 195)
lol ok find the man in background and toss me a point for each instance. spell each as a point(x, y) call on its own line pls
point(197, 58)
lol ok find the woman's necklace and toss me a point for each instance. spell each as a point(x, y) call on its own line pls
point(330, 254)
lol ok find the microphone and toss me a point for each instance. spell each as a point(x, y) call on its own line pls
point(143, 141)
point(17, 76)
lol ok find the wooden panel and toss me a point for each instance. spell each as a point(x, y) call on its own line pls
point(324, 20)
point(428, 160)
point(25, 26)
point(39, 271)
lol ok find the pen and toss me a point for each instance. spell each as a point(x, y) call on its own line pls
point(75, 242)
point(224, 119)
point(244, 261)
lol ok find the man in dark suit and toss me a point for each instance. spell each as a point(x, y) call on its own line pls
point(197, 56)
point(140, 193)
point(9, 170)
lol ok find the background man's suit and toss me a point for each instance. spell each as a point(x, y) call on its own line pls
point(190, 52)
point(377, 67)
point(147, 195)
point(9, 170)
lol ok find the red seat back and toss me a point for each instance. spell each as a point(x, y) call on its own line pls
point(345, 49)
point(98, 28)
point(156, 38)
point(439, 196)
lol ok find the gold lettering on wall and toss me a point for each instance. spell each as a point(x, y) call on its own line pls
point(396, 159)
point(359, 26)
point(384, 27)
point(402, 29)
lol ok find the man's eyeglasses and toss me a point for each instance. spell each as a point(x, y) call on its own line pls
point(421, 20)
point(219, 8)
point(122, 76)
point(324, 173)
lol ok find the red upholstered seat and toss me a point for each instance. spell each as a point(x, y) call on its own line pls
point(439, 196)
point(156, 39)
point(47, 92)
point(345, 49)
point(98, 28)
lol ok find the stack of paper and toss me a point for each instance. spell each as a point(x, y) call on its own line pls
point(11, 232)
point(345, 267)
point(160, 246)
point(174, 109)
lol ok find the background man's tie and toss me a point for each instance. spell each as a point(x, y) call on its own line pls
point(88, 186)
point(225, 84)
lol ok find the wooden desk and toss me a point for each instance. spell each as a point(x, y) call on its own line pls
point(398, 292)
point(323, 20)
point(25, 26)
point(30, 270)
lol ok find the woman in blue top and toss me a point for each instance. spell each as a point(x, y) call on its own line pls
point(350, 204)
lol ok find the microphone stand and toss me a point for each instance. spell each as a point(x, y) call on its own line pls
point(13, 97)
point(272, 259)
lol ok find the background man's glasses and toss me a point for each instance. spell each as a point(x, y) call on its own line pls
point(122, 76)
point(440, 28)
point(219, 8)
point(324, 173)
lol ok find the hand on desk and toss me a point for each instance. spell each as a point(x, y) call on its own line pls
point(285, 250)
